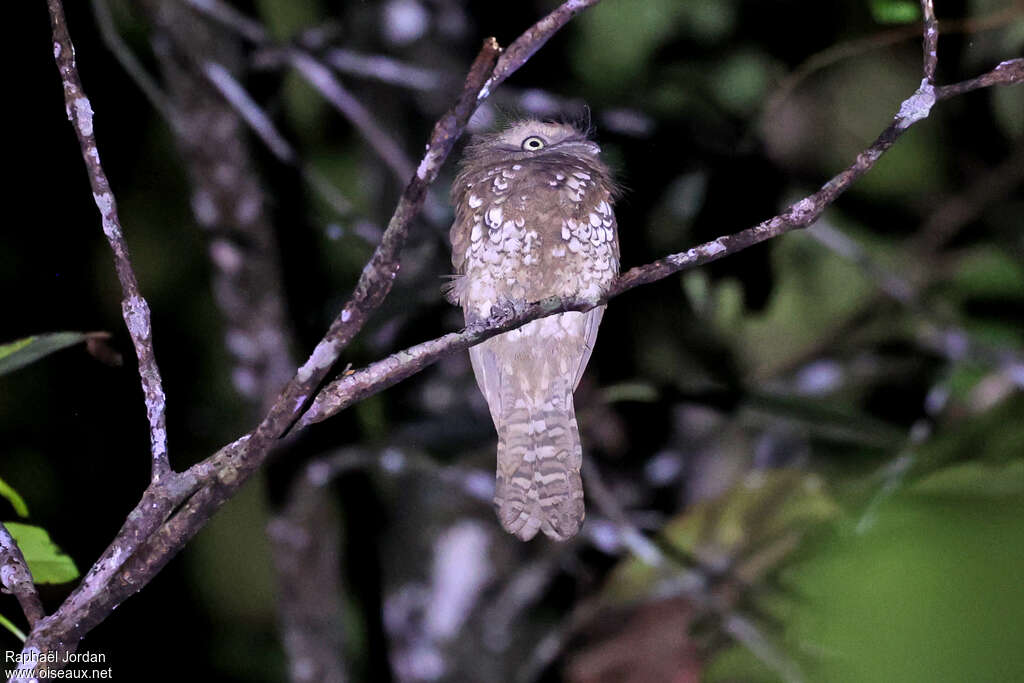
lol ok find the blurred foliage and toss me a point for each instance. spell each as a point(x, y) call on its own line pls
point(922, 585)
point(743, 533)
point(894, 11)
point(816, 291)
point(930, 591)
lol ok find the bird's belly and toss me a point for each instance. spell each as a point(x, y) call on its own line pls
point(530, 265)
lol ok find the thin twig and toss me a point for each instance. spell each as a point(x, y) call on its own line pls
point(858, 46)
point(229, 88)
point(533, 39)
point(258, 121)
point(948, 217)
point(16, 577)
point(129, 62)
point(936, 331)
point(1010, 72)
point(890, 283)
point(746, 632)
point(321, 78)
point(134, 307)
point(262, 125)
point(691, 581)
point(228, 16)
point(930, 43)
point(630, 536)
point(380, 272)
point(384, 69)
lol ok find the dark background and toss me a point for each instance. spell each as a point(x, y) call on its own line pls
point(787, 357)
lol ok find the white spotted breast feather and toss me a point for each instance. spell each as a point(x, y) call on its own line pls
point(530, 225)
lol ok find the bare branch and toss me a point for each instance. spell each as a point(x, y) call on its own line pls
point(931, 40)
point(379, 273)
point(891, 284)
point(318, 76)
point(227, 15)
point(1010, 72)
point(134, 307)
point(16, 577)
point(524, 47)
point(262, 125)
point(258, 121)
point(385, 69)
point(936, 333)
point(747, 633)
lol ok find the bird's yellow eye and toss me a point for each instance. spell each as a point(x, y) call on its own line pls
point(533, 143)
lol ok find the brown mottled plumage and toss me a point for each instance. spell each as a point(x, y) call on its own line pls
point(533, 219)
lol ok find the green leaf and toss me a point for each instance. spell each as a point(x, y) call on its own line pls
point(988, 271)
point(9, 625)
point(740, 81)
point(894, 11)
point(930, 591)
point(47, 562)
point(18, 354)
point(8, 492)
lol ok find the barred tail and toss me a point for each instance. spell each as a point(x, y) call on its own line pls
point(539, 458)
